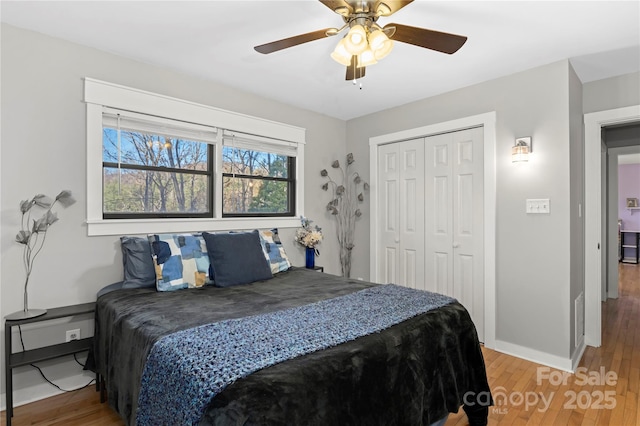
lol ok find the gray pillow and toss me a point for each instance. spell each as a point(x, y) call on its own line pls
point(139, 271)
point(237, 258)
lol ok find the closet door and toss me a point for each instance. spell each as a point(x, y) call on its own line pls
point(401, 213)
point(388, 211)
point(454, 219)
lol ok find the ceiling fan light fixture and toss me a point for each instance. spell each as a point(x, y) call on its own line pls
point(366, 58)
point(356, 40)
point(383, 10)
point(342, 10)
point(341, 55)
point(380, 44)
point(331, 32)
point(365, 34)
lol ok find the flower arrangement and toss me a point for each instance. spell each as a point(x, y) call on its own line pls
point(344, 206)
point(308, 236)
point(33, 232)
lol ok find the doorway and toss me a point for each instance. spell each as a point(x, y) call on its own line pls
point(623, 159)
point(593, 125)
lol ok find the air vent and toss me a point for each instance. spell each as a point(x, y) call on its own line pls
point(579, 318)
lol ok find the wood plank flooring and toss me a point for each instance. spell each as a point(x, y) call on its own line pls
point(580, 399)
point(514, 382)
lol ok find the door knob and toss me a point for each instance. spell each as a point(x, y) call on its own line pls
point(456, 245)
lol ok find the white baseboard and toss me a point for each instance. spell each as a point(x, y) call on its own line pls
point(577, 355)
point(44, 390)
point(539, 357)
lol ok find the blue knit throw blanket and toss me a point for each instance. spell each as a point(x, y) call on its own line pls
point(186, 369)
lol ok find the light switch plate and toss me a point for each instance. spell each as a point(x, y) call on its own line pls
point(538, 205)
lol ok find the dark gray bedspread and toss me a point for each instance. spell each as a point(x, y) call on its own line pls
point(413, 373)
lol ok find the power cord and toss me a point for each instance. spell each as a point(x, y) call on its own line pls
point(45, 377)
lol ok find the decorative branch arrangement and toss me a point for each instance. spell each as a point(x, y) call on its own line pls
point(33, 233)
point(346, 196)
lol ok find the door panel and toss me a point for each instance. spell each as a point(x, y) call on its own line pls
point(389, 264)
point(453, 218)
point(401, 179)
point(409, 268)
point(468, 239)
point(438, 214)
point(439, 280)
point(431, 200)
point(388, 204)
point(412, 217)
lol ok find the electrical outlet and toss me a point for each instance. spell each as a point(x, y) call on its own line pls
point(72, 335)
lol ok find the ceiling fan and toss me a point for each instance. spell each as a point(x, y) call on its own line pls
point(366, 42)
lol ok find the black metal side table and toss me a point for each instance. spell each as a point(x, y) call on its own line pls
point(17, 359)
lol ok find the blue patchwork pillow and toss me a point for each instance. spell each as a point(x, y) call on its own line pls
point(180, 260)
point(237, 258)
point(274, 251)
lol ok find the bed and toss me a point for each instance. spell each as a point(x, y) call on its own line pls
point(412, 372)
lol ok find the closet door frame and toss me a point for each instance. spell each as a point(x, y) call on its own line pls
point(488, 123)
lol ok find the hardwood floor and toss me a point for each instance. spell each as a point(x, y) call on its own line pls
point(514, 382)
point(521, 400)
point(79, 408)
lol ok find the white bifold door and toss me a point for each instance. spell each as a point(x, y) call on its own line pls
point(401, 213)
point(430, 207)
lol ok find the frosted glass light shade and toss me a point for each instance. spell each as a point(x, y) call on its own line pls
point(380, 44)
point(366, 58)
point(340, 54)
point(356, 40)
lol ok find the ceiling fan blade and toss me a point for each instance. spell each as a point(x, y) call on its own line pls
point(274, 46)
point(392, 6)
point(429, 39)
point(353, 72)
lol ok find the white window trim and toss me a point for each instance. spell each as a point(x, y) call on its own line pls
point(98, 94)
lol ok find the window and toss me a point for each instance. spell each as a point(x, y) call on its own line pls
point(160, 164)
point(257, 182)
point(154, 168)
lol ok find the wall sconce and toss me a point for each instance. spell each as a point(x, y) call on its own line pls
point(520, 151)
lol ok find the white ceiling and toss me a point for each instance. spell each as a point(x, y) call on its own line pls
point(214, 40)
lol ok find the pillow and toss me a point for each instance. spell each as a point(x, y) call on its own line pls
point(180, 261)
point(110, 288)
point(274, 251)
point(139, 271)
point(237, 258)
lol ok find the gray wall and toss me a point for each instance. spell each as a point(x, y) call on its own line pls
point(576, 196)
point(611, 93)
point(533, 272)
point(43, 151)
point(540, 260)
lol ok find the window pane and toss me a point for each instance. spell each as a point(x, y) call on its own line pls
point(145, 191)
point(243, 195)
point(254, 163)
point(153, 150)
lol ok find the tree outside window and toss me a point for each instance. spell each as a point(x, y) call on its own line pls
point(257, 183)
point(154, 175)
